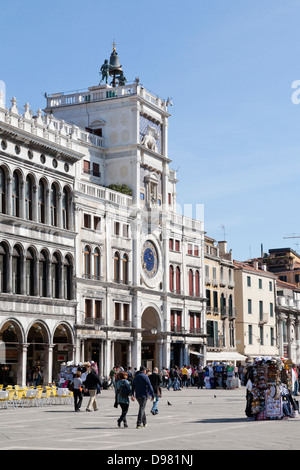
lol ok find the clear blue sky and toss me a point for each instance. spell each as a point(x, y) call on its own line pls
point(228, 65)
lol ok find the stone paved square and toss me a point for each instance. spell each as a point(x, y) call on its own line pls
point(197, 420)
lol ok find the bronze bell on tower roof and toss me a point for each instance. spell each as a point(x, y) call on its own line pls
point(115, 68)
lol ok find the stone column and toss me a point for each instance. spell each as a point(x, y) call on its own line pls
point(22, 364)
point(107, 353)
point(166, 352)
point(137, 350)
point(101, 360)
point(280, 319)
point(48, 364)
point(289, 336)
point(129, 354)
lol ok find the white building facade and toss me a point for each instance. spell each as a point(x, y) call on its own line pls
point(255, 297)
point(105, 271)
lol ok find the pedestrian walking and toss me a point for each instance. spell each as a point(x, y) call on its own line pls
point(165, 377)
point(175, 379)
point(123, 392)
point(184, 373)
point(200, 377)
point(156, 382)
point(92, 384)
point(142, 388)
point(77, 390)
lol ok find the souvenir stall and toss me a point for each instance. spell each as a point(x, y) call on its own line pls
point(221, 374)
point(269, 390)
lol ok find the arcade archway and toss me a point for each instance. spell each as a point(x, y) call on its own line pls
point(151, 346)
point(11, 336)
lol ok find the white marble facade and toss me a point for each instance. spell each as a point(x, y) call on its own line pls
point(115, 287)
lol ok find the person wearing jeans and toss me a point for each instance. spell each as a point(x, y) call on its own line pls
point(77, 391)
point(141, 388)
point(156, 382)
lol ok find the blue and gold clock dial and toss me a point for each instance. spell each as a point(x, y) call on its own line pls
point(149, 259)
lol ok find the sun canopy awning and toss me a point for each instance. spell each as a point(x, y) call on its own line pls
point(225, 356)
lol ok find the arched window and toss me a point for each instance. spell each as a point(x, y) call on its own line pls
point(230, 305)
point(67, 277)
point(43, 274)
point(15, 206)
point(65, 208)
point(171, 278)
point(177, 280)
point(87, 262)
point(28, 198)
point(53, 205)
point(117, 267)
point(3, 268)
point(29, 272)
point(2, 191)
point(222, 304)
point(125, 269)
point(191, 282)
point(197, 283)
point(16, 270)
point(55, 276)
point(97, 272)
point(41, 202)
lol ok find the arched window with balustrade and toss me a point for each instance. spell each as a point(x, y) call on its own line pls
point(28, 197)
point(43, 258)
point(16, 270)
point(3, 267)
point(29, 272)
point(65, 208)
point(68, 278)
point(55, 276)
point(15, 205)
point(3, 191)
point(53, 205)
point(42, 202)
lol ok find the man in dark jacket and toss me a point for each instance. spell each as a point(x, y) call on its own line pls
point(141, 388)
point(156, 382)
point(93, 384)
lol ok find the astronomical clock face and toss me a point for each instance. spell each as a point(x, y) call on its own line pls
point(149, 259)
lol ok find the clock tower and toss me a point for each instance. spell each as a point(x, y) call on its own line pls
point(125, 129)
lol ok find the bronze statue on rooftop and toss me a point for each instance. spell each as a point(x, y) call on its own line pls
point(114, 69)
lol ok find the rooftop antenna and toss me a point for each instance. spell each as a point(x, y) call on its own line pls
point(224, 234)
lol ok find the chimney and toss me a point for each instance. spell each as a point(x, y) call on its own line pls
point(222, 247)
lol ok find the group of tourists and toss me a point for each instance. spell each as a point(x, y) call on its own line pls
point(128, 386)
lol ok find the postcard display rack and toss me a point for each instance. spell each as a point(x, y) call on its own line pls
point(271, 390)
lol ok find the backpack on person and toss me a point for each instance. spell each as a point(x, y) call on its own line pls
point(124, 390)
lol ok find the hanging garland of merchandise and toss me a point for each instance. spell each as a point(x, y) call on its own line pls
point(270, 386)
